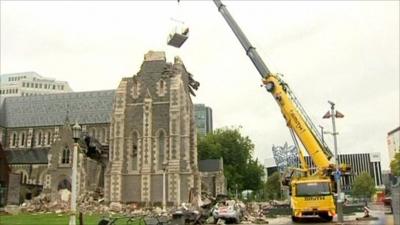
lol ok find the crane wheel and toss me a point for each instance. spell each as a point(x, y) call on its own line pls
point(326, 217)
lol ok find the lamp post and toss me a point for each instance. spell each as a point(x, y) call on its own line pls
point(339, 201)
point(164, 193)
point(76, 134)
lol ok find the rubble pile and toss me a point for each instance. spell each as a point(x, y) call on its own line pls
point(254, 213)
point(42, 203)
point(92, 202)
point(88, 202)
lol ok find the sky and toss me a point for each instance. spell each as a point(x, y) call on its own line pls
point(343, 51)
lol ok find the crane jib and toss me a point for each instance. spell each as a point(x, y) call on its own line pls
point(250, 50)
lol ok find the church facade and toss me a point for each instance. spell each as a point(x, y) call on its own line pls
point(153, 132)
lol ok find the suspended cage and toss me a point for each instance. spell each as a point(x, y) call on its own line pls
point(178, 35)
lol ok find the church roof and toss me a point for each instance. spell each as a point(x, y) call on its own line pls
point(92, 107)
point(27, 156)
point(211, 165)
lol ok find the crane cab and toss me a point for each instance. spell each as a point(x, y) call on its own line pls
point(178, 36)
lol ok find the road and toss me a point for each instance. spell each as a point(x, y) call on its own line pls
point(377, 211)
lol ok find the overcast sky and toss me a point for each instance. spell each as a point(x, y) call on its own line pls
point(346, 52)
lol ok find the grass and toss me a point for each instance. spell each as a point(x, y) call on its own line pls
point(55, 219)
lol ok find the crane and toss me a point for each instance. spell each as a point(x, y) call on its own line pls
point(310, 194)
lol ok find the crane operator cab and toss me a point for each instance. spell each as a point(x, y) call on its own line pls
point(178, 35)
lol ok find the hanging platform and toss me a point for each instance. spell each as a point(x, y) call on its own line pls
point(176, 39)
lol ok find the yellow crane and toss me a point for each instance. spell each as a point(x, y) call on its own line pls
point(311, 194)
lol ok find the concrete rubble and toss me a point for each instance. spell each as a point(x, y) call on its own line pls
point(93, 202)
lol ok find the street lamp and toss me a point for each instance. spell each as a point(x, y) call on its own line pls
point(164, 196)
point(76, 134)
point(336, 114)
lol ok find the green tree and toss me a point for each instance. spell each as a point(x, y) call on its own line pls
point(395, 165)
point(363, 186)
point(240, 170)
point(272, 188)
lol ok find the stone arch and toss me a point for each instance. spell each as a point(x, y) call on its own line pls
point(62, 182)
point(161, 148)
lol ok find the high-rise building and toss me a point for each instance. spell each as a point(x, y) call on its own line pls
point(393, 141)
point(29, 83)
point(204, 119)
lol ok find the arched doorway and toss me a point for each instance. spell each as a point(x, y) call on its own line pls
point(64, 184)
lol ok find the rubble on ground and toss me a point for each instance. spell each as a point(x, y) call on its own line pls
point(93, 202)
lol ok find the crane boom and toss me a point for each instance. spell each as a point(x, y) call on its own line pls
point(250, 50)
point(291, 109)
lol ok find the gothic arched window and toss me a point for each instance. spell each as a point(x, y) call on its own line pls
point(14, 139)
point(161, 88)
point(65, 155)
point(49, 138)
point(23, 139)
point(135, 88)
point(135, 148)
point(39, 138)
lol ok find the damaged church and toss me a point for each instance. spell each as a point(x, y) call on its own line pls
point(141, 131)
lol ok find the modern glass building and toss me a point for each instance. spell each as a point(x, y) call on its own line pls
point(204, 119)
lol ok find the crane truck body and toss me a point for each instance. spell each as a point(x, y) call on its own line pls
point(311, 195)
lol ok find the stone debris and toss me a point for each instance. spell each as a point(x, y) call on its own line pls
point(93, 202)
point(88, 202)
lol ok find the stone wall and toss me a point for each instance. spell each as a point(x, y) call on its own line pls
point(152, 130)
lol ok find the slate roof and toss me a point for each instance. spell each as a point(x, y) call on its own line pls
point(48, 110)
point(211, 165)
point(27, 156)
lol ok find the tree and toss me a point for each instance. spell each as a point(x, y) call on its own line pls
point(272, 188)
point(241, 171)
point(395, 165)
point(363, 186)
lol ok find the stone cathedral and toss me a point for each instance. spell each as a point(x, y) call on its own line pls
point(153, 132)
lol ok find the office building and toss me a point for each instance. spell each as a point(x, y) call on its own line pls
point(204, 119)
point(29, 83)
point(359, 162)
